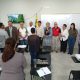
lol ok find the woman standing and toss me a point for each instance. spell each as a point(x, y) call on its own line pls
point(13, 64)
point(72, 38)
point(64, 38)
point(47, 35)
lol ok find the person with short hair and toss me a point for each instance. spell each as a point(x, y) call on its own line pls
point(3, 37)
point(29, 28)
point(47, 39)
point(48, 29)
point(72, 38)
point(56, 31)
point(12, 30)
point(34, 46)
point(64, 38)
point(40, 32)
point(13, 63)
point(23, 34)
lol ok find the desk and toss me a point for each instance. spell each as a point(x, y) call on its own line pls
point(21, 48)
point(34, 75)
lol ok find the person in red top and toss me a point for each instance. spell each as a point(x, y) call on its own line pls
point(56, 37)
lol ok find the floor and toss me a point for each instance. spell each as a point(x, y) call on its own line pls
point(62, 64)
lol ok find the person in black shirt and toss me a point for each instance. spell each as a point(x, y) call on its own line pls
point(34, 46)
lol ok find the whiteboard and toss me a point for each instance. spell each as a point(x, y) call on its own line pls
point(61, 19)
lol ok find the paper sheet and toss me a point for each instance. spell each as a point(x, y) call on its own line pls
point(77, 56)
point(43, 71)
point(21, 46)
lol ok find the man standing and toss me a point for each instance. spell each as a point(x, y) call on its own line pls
point(56, 37)
point(23, 34)
point(3, 37)
point(29, 28)
point(40, 32)
point(34, 46)
point(12, 31)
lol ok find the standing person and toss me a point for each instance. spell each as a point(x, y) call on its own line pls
point(72, 38)
point(29, 28)
point(79, 42)
point(47, 39)
point(40, 32)
point(48, 30)
point(64, 38)
point(12, 31)
point(34, 46)
point(3, 37)
point(56, 37)
point(13, 63)
point(23, 34)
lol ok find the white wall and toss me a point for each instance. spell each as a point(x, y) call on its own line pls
point(30, 7)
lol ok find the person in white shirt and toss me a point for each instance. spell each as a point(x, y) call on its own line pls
point(3, 37)
point(29, 28)
point(23, 34)
point(40, 32)
point(64, 38)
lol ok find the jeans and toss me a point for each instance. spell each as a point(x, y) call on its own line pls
point(33, 57)
point(71, 43)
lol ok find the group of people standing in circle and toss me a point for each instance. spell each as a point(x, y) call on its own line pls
point(57, 36)
point(13, 63)
point(63, 37)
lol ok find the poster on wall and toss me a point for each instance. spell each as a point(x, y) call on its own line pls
point(16, 18)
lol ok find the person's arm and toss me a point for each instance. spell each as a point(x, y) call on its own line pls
point(38, 43)
point(26, 36)
point(79, 37)
point(42, 32)
point(50, 32)
point(24, 62)
point(24, 65)
point(6, 35)
point(59, 33)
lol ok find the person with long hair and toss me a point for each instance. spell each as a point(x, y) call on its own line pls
point(13, 63)
point(72, 38)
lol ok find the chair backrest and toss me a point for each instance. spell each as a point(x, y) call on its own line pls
point(75, 74)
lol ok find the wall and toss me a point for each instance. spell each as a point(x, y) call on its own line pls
point(30, 7)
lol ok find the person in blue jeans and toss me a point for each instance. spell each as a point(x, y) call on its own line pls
point(34, 46)
point(72, 38)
